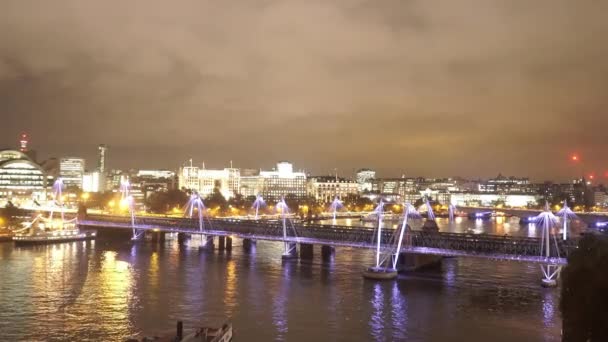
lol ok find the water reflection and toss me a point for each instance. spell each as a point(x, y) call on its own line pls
point(115, 289)
point(230, 293)
point(280, 303)
point(376, 322)
point(398, 313)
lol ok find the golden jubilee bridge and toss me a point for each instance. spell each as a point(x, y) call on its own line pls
point(550, 251)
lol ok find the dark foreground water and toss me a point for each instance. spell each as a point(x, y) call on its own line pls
point(111, 289)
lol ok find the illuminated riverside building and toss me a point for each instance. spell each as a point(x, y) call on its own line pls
point(20, 177)
point(326, 188)
point(483, 199)
point(283, 182)
point(71, 171)
point(204, 181)
point(272, 185)
point(364, 179)
point(505, 185)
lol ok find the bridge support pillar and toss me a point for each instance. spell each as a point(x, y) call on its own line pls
point(208, 243)
point(306, 251)
point(249, 245)
point(327, 252)
point(181, 238)
point(292, 251)
point(221, 243)
point(228, 243)
point(413, 262)
point(158, 237)
point(550, 275)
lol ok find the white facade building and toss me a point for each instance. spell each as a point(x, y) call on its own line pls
point(326, 188)
point(510, 200)
point(204, 181)
point(71, 171)
point(92, 182)
point(283, 182)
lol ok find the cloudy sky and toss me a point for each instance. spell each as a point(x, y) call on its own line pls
point(415, 87)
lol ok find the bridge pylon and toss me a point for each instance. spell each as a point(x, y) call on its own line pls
point(549, 249)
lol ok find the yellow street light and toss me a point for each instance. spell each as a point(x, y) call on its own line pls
point(123, 204)
point(111, 204)
point(85, 196)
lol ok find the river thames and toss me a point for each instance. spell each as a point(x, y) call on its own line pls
point(111, 289)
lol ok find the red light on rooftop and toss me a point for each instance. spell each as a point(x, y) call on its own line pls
point(574, 157)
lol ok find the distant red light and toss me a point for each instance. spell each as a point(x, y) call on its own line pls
point(574, 157)
point(591, 176)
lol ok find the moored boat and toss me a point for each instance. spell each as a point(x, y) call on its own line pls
point(56, 232)
point(203, 334)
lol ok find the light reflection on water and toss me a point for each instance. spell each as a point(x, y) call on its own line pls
point(113, 289)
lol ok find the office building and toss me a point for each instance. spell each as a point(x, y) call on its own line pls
point(102, 150)
point(325, 188)
point(71, 171)
point(91, 182)
point(205, 181)
point(20, 177)
point(283, 182)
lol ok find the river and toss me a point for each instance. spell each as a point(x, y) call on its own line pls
point(111, 289)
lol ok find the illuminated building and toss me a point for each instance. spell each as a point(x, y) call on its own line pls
point(155, 174)
point(364, 179)
point(20, 177)
point(251, 183)
point(505, 185)
point(205, 181)
point(326, 188)
point(91, 182)
point(600, 198)
point(101, 158)
point(71, 170)
point(283, 182)
point(112, 180)
point(484, 199)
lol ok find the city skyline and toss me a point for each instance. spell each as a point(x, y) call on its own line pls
point(469, 89)
point(575, 159)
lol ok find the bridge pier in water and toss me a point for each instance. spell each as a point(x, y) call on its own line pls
point(207, 244)
point(249, 245)
point(306, 251)
point(550, 275)
point(181, 238)
point(291, 251)
point(158, 236)
point(228, 243)
point(221, 243)
point(413, 261)
point(327, 252)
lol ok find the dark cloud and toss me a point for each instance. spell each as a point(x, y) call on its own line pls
point(470, 88)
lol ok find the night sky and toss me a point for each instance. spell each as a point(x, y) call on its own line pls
point(435, 88)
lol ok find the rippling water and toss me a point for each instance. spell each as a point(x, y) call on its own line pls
point(110, 289)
